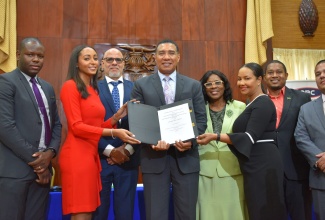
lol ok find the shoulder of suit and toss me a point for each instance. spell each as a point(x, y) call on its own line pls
point(127, 81)
point(146, 78)
point(297, 92)
point(238, 103)
point(11, 74)
point(311, 103)
point(43, 81)
point(189, 80)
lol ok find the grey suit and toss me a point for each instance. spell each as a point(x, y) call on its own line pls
point(160, 168)
point(310, 139)
point(20, 132)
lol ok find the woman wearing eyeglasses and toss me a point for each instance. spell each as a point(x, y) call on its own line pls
point(253, 142)
point(221, 193)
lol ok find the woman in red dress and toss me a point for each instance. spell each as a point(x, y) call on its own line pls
point(79, 160)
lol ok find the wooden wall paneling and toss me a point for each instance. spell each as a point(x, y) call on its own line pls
point(170, 19)
point(75, 19)
point(27, 17)
point(146, 15)
point(97, 18)
point(192, 61)
point(216, 56)
point(67, 46)
point(236, 13)
point(50, 18)
point(123, 20)
point(287, 33)
point(236, 60)
point(52, 70)
point(93, 41)
point(193, 14)
point(216, 20)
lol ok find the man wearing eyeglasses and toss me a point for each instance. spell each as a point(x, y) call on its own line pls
point(288, 102)
point(163, 165)
point(119, 161)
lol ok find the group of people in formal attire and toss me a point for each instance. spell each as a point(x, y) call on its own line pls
point(259, 160)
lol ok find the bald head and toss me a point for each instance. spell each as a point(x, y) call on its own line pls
point(113, 63)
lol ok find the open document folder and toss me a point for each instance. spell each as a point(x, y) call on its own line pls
point(170, 122)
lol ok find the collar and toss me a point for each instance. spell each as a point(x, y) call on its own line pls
point(28, 77)
point(282, 92)
point(108, 80)
point(172, 76)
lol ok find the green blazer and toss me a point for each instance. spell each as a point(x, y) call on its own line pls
point(216, 157)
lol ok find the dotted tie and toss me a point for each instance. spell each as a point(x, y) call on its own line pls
point(116, 95)
point(168, 91)
point(42, 108)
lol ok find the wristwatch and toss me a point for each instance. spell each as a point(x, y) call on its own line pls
point(51, 149)
point(218, 136)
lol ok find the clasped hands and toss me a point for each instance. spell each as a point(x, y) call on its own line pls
point(118, 155)
point(181, 146)
point(320, 163)
point(40, 166)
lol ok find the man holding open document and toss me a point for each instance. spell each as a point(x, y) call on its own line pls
point(164, 163)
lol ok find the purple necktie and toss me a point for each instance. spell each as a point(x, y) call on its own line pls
point(168, 91)
point(41, 106)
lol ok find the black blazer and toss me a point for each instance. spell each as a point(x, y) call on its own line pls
point(295, 165)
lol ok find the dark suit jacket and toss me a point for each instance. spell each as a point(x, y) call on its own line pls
point(295, 165)
point(21, 125)
point(148, 90)
point(310, 138)
point(107, 100)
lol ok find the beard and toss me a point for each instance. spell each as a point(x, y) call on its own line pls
point(277, 87)
point(114, 74)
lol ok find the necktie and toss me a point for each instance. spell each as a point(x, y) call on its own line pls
point(42, 108)
point(168, 91)
point(116, 95)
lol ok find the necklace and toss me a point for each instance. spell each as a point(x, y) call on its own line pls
point(254, 99)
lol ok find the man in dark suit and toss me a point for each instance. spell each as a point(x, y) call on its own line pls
point(287, 102)
point(25, 150)
point(163, 164)
point(310, 138)
point(119, 161)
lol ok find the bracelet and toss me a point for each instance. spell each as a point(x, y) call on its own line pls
point(218, 136)
point(112, 134)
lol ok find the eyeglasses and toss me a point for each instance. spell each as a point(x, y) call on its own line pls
point(111, 60)
point(215, 83)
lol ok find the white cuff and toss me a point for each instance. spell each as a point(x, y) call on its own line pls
point(129, 148)
point(108, 150)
